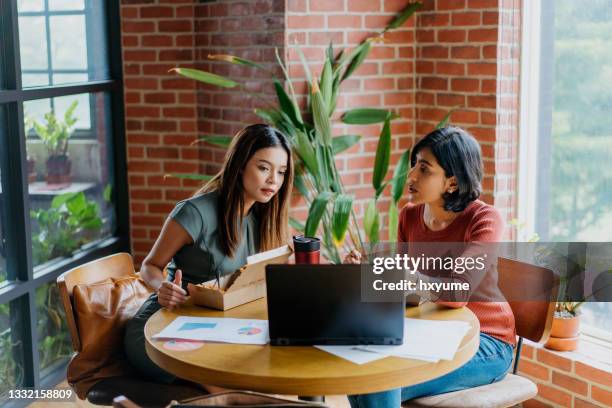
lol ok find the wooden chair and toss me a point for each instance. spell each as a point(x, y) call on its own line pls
point(144, 392)
point(531, 291)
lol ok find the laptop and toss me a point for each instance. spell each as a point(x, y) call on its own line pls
point(321, 304)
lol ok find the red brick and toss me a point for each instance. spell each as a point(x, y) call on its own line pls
point(160, 97)
point(534, 370)
point(129, 12)
point(156, 12)
point(436, 83)
point(306, 21)
point(327, 5)
point(137, 26)
point(593, 374)
point(175, 26)
point(450, 68)
point(176, 55)
point(464, 85)
point(129, 41)
point(162, 152)
point(483, 35)
point(553, 360)
point(156, 40)
point(142, 111)
point(533, 403)
point(490, 18)
point(140, 83)
point(425, 36)
point(160, 208)
point(477, 101)
point(363, 5)
point(432, 20)
point(471, 18)
point(601, 395)
point(570, 383)
point(580, 403)
point(465, 52)
point(139, 55)
point(555, 395)
point(296, 6)
point(344, 21)
point(160, 126)
point(143, 166)
point(451, 100)
point(482, 68)
point(436, 51)
point(480, 4)
point(424, 67)
point(451, 35)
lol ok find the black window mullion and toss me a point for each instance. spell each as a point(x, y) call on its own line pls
point(15, 192)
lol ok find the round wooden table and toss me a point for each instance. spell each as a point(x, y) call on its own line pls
point(299, 370)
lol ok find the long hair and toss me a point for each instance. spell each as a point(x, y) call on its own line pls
point(273, 216)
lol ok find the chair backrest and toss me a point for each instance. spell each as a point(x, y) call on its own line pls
point(112, 266)
point(531, 292)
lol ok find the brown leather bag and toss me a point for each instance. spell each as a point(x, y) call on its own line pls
point(102, 310)
point(245, 399)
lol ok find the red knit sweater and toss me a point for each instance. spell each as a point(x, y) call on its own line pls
point(479, 222)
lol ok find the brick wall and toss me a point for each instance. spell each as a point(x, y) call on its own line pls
point(464, 60)
point(563, 381)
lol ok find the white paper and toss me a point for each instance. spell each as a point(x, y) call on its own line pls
point(225, 330)
point(428, 340)
point(262, 256)
point(352, 354)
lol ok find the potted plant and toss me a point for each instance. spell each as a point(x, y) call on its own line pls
point(331, 207)
point(55, 135)
point(565, 327)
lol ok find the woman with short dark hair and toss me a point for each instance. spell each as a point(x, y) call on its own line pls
point(444, 184)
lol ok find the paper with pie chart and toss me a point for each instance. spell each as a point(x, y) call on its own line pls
point(225, 330)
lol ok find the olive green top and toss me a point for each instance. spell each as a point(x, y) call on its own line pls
point(204, 259)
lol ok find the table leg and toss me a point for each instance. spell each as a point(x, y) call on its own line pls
point(320, 398)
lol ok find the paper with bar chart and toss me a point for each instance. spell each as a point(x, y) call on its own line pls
point(224, 330)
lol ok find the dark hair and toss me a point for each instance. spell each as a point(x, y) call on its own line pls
point(274, 215)
point(458, 153)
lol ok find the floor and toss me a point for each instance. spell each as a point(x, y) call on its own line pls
point(334, 401)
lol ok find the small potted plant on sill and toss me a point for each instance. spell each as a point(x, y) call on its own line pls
point(55, 135)
point(565, 328)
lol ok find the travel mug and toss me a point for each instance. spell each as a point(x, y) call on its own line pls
point(307, 249)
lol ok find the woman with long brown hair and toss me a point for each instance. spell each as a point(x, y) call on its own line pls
point(241, 211)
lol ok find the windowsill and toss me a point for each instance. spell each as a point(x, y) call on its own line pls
point(591, 351)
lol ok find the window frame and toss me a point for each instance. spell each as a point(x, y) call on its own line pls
point(22, 278)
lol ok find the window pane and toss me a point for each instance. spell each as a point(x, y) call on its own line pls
point(30, 5)
point(66, 5)
point(54, 344)
point(70, 190)
point(3, 272)
point(580, 197)
point(63, 43)
point(11, 362)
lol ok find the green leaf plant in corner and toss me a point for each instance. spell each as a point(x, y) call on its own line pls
point(331, 209)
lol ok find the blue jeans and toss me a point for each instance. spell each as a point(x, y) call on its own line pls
point(490, 364)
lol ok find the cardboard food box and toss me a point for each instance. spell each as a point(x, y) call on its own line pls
point(245, 285)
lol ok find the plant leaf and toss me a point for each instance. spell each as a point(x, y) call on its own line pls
point(304, 64)
point(401, 18)
point(367, 116)
point(307, 154)
point(371, 222)
point(400, 175)
point(326, 83)
point(357, 59)
point(190, 176)
point(295, 224)
point(235, 60)
point(340, 217)
point(316, 211)
point(287, 105)
point(319, 114)
point(393, 220)
point(221, 141)
point(444, 122)
point(298, 183)
point(383, 155)
point(344, 142)
point(108, 193)
point(206, 77)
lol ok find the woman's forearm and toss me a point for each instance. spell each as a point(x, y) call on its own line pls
point(152, 275)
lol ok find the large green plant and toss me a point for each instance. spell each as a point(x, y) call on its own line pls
point(55, 133)
point(310, 132)
point(63, 227)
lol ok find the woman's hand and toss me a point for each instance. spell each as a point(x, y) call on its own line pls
point(171, 294)
point(353, 257)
